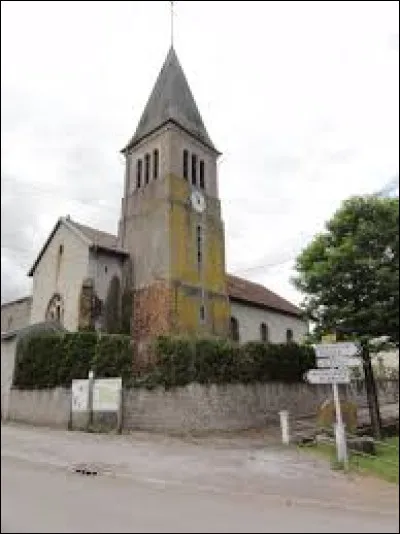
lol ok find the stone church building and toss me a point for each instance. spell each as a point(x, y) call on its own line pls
point(165, 270)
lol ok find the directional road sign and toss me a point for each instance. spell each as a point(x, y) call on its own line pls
point(338, 361)
point(328, 376)
point(345, 349)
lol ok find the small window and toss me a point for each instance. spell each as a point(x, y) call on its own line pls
point(202, 313)
point(138, 173)
point(155, 164)
point(199, 244)
point(264, 332)
point(194, 169)
point(105, 269)
point(58, 312)
point(289, 335)
point(202, 181)
point(185, 164)
point(147, 168)
point(10, 320)
point(60, 250)
point(234, 327)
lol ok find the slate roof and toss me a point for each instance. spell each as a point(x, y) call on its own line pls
point(250, 293)
point(99, 238)
point(94, 238)
point(171, 100)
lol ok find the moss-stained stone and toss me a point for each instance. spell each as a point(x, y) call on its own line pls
point(326, 414)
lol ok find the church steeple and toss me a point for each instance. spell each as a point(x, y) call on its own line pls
point(171, 100)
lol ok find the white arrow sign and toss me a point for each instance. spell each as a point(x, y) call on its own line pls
point(328, 376)
point(329, 350)
point(338, 361)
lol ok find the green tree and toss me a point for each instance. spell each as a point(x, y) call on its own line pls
point(350, 273)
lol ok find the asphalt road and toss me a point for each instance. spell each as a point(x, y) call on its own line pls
point(40, 493)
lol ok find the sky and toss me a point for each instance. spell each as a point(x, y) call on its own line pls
point(302, 99)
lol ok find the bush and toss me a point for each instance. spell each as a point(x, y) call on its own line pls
point(47, 360)
point(180, 361)
point(113, 357)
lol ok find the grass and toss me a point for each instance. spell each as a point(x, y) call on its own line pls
point(384, 465)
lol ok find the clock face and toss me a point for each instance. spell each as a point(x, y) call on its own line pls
point(198, 201)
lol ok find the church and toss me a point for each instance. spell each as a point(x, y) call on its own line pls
point(164, 272)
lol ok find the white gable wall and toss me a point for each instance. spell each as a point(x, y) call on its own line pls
point(74, 268)
point(250, 319)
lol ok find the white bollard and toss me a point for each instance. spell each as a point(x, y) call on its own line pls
point(284, 417)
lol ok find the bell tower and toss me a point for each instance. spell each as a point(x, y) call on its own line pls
point(170, 220)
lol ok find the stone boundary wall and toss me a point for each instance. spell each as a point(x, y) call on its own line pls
point(196, 407)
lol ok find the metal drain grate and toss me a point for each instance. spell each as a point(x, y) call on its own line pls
point(85, 471)
point(91, 469)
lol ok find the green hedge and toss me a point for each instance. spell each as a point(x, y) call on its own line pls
point(47, 360)
point(180, 361)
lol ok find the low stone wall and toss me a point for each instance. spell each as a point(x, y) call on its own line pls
point(47, 407)
point(196, 407)
point(234, 406)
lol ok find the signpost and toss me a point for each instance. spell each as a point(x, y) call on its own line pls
point(333, 362)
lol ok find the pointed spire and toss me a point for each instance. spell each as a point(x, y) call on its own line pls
point(171, 101)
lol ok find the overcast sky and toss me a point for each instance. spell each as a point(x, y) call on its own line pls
point(302, 99)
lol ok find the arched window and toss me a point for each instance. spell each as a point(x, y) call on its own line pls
point(55, 309)
point(202, 180)
point(147, 168)
point(155, 164)
point(185, 164)
point(194, 169)
point(289, 335)
point(138, 173)
point(264, 334)
point(234, 327)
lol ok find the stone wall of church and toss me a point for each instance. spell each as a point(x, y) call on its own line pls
point(181, 141)
point(102, 268)
point(250, 319)
point(152, 315)
point(60, 270)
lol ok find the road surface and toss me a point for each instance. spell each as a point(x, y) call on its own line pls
point(152, 484)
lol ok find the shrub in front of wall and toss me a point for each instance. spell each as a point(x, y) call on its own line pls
point(36, 361)
point(180, 361)
point(51, 360)
point(174, 364)
point(75, 359)
point(113, 357)
point(216, 361)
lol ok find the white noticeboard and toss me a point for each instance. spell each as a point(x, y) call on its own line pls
point(107, 394)
point(80, 395)
point(328, 376)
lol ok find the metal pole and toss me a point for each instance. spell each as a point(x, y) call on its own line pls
point(340, 436)
point(90, 400)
